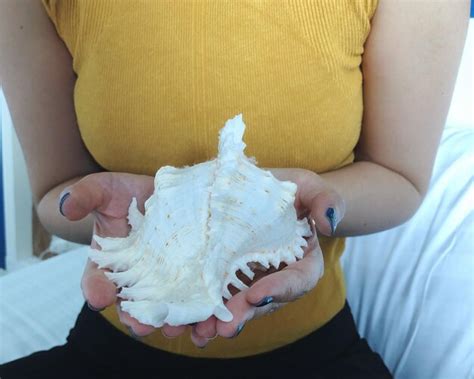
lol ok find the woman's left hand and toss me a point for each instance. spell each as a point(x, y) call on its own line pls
point(272, 289)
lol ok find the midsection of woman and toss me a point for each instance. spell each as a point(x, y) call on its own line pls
point(156, 80)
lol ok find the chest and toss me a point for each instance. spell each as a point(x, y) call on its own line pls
point(159, 79)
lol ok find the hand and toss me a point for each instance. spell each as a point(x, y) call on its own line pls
point(107, 196)
point(273, 289)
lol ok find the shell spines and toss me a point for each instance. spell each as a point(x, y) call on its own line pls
point(202, 225)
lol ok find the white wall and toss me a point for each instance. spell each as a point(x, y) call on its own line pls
point(17, 194)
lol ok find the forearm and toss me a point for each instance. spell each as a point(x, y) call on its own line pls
point(376, 198)
point(57, 224)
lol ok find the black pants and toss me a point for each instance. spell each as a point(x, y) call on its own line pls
point(95, 349)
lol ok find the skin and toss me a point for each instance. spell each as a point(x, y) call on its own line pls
point(410, 65)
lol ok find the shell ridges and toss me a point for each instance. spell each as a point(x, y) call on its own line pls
point(202, 224)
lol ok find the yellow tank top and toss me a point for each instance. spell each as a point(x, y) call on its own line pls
point(156, 80)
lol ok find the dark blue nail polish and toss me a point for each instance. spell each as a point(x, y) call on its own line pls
point(165, 335)
point(331, 215)
point(94, 309)
point(61, 202)
point(265, 301)
point(239, 329)
point(132, 334)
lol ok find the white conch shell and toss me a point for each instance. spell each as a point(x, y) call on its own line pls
point(202, 224)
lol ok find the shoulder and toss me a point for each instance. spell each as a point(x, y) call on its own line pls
point(416, 31)
point(20, 14)
point(22, 25)
point(421, 16)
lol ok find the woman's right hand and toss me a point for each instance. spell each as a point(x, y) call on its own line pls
point(107, 196)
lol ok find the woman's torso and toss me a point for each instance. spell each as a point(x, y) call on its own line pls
point(158, 79)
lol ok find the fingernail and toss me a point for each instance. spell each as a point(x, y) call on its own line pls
point(132, 334)
point(95, 309)
point(167, 336)
point(239, 329)
point(265, 301)
point(331, 215)
point(61, 202)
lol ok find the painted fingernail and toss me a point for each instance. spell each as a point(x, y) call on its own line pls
point(61, 202)
point(331, 216)
point(132, 334)
point(94, 308)
point(167, 336)
point(239, 329)
point(265, 301)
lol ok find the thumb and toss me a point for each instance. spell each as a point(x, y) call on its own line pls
point(327, 208)
point(88, 194)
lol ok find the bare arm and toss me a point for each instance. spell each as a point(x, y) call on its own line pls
point(37, 78)
point(410, 65)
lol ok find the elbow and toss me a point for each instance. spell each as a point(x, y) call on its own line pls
point(413, 199)
point(416, 199)
point(44, 214)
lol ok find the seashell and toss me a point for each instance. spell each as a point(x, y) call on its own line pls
point(202, 224)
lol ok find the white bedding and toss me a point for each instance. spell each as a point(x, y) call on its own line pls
point(412, 288)
point(39, 304)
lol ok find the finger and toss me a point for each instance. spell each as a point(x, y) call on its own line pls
point(314, 194)
point(327, 208)
point(268, 308)
point(98, 291)
point(85, 196)
point(173, 331)
point(242, 312)
point(277, 288)
point(290, 283)
point(207, 328)
point(137, 328)
point(199, 341)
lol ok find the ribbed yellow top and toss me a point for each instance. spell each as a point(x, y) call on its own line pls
point(158, 79)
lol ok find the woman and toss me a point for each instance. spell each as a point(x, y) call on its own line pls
point(347, 99)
